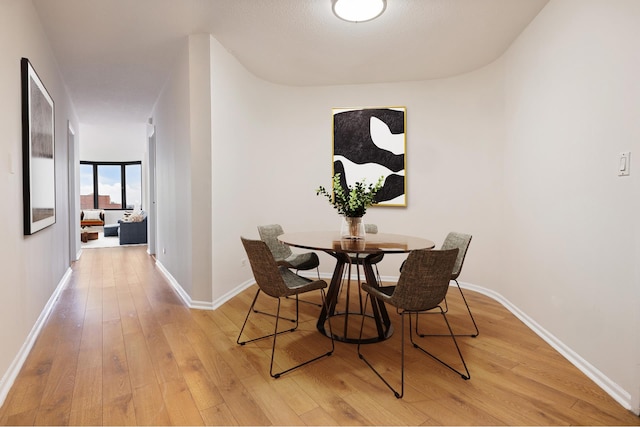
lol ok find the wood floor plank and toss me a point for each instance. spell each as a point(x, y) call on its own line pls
point(385, 411)
point(110, 306)
point(140, 365)
point(128, 313)
point(120, 348)
point(299, 399)
point(238, 400)
point(607, 413)
point(181, 407)
point(226, 363)
point(165, 366)
point(342, 412)
point(119, 410)
point(90, 352)
point(86, 404)
point(267, 396)
point(115, 370)
point(26, 394)
point(55, 405)
point(150, 409)
point(318, 417)
point(205, 393)
point(219, 416)
point(26, 418)
point(34, 381)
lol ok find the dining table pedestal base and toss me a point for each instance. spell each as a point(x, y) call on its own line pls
point(347, 328)
point(345, 325)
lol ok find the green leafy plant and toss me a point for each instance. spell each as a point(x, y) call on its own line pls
point(352, 201)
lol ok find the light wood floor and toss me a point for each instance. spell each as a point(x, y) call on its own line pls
point(121, 349)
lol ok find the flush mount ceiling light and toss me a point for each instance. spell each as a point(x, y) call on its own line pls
point(358, 10)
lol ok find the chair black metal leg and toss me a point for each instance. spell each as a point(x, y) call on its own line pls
point(265, 336)
point(325, 304)
point(247, 318)
point(445, 311)
point(273, 315)
point(361, 356)
point(306, 302)
point(465, 375)
point(469, 310)
point(275, 334)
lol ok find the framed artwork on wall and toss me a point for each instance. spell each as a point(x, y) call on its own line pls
point(369, 143)
point(38, 152)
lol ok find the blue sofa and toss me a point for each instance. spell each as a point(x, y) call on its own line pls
point(133, 233)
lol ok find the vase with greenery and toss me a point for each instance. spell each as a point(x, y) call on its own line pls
point(352, 203)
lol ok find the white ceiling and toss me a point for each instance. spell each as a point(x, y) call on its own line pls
point(115, 55)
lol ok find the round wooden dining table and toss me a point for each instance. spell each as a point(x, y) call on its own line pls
point(343, 251)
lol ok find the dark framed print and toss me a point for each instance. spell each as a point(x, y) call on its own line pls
point(38, 152)
point(369, 143)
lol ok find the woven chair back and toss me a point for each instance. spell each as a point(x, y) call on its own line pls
point(460, 241)
point(264, 267)
point(269, 234)
point(424, 279)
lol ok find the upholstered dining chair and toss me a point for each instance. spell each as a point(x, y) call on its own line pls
point(460, 241)
point(284, 255)
point(278, 282)
point(422, 286)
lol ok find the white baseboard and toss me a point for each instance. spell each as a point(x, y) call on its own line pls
point(184, 296)
point(610, 387)
point(201, 305)
point(232, 293)
point(14, 369)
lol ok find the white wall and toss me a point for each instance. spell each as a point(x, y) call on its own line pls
point(182, 115)
point(571, 224)
point(32, 266)
point(173, 181)
point(272, 149)
point(200, 164)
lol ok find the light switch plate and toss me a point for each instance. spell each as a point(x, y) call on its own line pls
point(624, 163)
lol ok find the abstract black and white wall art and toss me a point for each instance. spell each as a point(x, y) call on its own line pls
point(369, 143)
point(38, 152)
